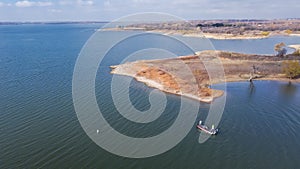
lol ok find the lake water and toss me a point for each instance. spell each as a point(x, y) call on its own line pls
point(39, 127)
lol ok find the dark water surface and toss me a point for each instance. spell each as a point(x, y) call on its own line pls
point(39, 126)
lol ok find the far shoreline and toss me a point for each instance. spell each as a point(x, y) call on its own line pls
point(221, 36)
point(216, 36)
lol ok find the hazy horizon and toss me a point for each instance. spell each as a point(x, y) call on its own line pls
point(108, 10)
point(103, 21)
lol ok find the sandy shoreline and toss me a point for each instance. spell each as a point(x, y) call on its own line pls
point(123, 70)
point(153, 84)
point(296, 47)
point(198, 34)
point(222, 36)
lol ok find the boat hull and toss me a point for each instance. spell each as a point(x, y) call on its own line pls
point(206, 130)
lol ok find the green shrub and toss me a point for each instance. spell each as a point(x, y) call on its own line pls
point(265, 33)
point(291, 68)
point(288, 31)
point(297, 52)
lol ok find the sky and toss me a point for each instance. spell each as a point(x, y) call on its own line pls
point(107, 10)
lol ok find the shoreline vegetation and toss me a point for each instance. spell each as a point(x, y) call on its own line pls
point(194, 82)
point(220, 29)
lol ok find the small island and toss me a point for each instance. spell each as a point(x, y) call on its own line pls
point(167, 74)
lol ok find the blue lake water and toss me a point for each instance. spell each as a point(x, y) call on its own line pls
point(39, 127)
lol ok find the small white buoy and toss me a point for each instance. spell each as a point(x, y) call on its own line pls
point(97, 131)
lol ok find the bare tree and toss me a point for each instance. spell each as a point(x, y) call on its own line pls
point(280, 49)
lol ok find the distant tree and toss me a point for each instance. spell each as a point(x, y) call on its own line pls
point(199, 25)
point(218, 25)
point(255, 69)
point(280, 49)
point(291, 68)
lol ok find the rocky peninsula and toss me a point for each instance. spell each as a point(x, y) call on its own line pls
point(168, 75)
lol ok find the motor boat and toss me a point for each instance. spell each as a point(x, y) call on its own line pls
point(211, 131)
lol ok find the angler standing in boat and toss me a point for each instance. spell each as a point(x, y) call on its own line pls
point(204, 128)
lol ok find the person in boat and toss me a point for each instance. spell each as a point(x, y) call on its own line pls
point(203, 126)
point(200, 122)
